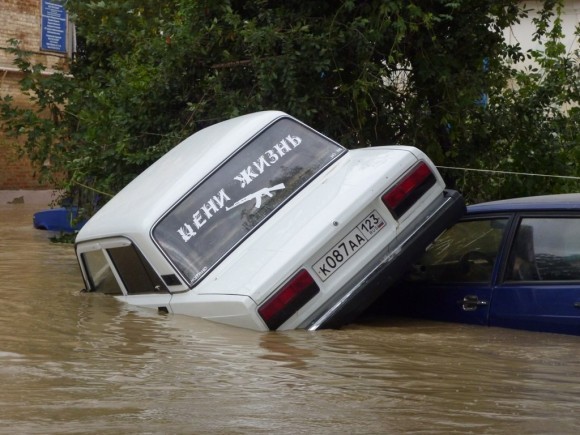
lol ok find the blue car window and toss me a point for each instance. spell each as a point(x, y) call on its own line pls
point(545, 249)
point(464, 253)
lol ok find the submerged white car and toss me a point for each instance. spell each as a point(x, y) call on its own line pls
point(261, 222)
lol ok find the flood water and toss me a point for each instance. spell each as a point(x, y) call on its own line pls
point(73, 362)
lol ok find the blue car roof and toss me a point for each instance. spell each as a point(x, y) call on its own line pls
point(566, 201)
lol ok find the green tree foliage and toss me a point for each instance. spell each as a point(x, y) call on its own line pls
point(532, 124)
point(148, 74)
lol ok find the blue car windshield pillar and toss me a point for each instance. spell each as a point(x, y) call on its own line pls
point(241, 194)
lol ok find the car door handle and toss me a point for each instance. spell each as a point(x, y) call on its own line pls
point(576, 304)
point(471, 303)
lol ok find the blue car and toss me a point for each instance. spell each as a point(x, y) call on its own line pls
point(60, 219)
point(512, 263)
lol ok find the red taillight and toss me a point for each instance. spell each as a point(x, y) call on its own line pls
point(289, 299)
point(407, 191)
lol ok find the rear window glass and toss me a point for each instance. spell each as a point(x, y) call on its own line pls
point(241, 194)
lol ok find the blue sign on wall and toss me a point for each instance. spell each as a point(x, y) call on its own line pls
point(53, 26)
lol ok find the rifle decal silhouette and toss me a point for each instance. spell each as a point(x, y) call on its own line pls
point(266, 191)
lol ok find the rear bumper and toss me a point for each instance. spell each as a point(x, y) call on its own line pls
point(373, 280)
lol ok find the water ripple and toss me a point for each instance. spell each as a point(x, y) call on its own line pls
point(73, 362)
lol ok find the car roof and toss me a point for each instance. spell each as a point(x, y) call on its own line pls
point(137, 206)
point(565, 201)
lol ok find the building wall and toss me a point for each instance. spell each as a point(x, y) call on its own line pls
point(523, 32)
point(19, 19)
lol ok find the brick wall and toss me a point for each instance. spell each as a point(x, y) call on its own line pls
point(16, 172)
point(19, 19)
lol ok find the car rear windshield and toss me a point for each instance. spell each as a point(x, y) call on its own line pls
point(248, 188)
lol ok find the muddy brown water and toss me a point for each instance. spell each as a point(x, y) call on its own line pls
point(73, 362)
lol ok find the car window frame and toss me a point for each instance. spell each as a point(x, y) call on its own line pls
point(104, 248)
point(502, 253)
point(139, 261)
point(509, 246)
point(499, 262)
point(87, 264)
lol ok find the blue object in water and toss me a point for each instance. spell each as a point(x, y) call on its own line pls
point(61, 219)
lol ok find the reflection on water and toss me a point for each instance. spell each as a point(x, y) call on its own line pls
point(83, 363)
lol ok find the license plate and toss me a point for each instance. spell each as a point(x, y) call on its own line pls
point(349, 245)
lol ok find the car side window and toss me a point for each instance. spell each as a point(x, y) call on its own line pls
point(545, 249)
point(137, 274)
point(466, 252)
point(101, 276)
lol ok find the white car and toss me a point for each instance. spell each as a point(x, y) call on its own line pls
point(263, 223)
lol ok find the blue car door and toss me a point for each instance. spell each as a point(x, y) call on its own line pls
point(453, 280)
point(540, 286)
